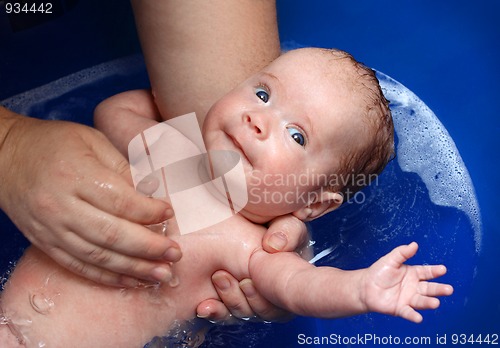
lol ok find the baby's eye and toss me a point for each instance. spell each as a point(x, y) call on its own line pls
point(296, 135)
point(262, 94)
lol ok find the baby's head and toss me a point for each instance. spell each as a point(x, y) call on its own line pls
point(312, 128)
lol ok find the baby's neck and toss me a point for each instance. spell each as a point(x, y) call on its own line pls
point(256, 219)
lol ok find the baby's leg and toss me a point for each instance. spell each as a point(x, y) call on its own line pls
point(123, 116)
point(45, 304)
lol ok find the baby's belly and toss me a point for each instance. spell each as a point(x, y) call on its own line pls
point(46, 304)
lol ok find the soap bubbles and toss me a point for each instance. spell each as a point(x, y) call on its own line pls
point(426, 148)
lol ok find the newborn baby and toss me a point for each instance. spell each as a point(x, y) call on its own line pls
point(313, 113)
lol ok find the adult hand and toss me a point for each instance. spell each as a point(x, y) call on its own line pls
point(69, 191)
point(240, 299)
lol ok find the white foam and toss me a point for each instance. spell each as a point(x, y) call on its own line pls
point(426, 148)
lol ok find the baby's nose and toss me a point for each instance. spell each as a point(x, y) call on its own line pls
point(257, 124)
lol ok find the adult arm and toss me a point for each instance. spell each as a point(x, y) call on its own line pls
point(197, 51)
point(69, 191)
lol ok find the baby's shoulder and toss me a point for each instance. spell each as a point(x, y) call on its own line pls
point(239, 227)
point(233, 233)
point(227, 245)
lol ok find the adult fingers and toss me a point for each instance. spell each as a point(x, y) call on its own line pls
point(230, 293)
point(263, 309)
point(109, 232)
point(91, 272)
point(240, 300)
point(92, 256)
point(285, 233)
point(106, 183)
point(109, 192)
point(213, 310)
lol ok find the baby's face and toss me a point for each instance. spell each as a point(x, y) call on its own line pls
point(291, 123)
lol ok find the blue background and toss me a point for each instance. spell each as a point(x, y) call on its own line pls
point(446, 52)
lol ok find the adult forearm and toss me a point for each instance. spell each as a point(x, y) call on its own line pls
point(8, 120)
point(196, 51)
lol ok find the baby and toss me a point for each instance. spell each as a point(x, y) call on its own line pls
point(310, 112)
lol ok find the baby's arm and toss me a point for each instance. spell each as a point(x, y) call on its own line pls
point(123, 116)
point(387, 287)
point(284, 234)
point(292, 283)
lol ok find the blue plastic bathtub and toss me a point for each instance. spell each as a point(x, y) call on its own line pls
point(445, 52)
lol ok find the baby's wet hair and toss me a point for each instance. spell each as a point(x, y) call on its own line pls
point(360, 166)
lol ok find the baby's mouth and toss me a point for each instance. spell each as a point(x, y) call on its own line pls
point(239, 148)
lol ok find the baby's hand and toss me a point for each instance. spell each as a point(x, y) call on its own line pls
point(398, 289)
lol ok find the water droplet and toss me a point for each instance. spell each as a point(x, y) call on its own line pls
point(41, 303)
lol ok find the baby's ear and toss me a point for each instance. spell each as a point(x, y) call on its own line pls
point(324, 203)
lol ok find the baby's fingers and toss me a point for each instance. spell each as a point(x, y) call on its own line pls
point(408, 313)
point(434, 289)
point(401, 254)
point(430, 272)
point(425, 302)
